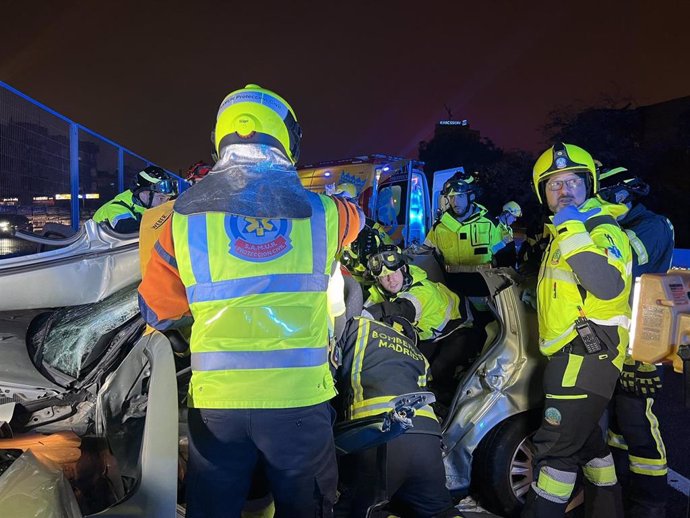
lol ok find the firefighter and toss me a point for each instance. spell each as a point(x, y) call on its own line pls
point(504, 250)
point(463, 235)
point(634, 434)
point(379, 363)
point(152, 187)
point(246, 257)
point(438, 314)
point(584, 314)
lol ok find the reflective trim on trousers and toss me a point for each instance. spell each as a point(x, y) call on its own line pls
point(651, 467)
point(245, 360)
point(554, 484)
point(601, 471)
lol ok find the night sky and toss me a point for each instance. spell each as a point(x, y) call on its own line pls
point(368, 77)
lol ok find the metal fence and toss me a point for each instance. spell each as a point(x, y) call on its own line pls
point(53, 169)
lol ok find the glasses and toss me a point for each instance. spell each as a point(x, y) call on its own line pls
point(571, 183)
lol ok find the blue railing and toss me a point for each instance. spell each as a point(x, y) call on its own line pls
point(53, 169)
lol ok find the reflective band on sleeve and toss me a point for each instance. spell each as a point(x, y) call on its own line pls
point(638, 246)
point(244, 360)
point(121, 217)
point(575, 242)
point(278, 283)
point(415, 302)
point(559, 274)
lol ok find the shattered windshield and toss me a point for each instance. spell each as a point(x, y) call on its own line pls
point(79, 335)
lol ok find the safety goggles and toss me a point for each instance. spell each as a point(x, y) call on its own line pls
point(168, 187)
point(385, 263)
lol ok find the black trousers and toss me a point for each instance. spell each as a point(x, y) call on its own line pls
point(578, 388)
point(631, 417)
point(295, 446)
point(416, 480)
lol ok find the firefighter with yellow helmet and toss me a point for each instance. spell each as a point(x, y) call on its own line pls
point(246, 258)
point(504, 250)
point(584, 313)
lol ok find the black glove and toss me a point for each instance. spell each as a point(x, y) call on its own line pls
point(627, 379)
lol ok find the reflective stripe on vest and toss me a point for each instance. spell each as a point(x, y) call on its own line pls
point(284, 358)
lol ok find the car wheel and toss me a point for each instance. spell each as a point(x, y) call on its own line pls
point(502, 465)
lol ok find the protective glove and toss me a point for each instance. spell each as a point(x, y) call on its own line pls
point(647, 380)
point(571, 213)
point(627, 378)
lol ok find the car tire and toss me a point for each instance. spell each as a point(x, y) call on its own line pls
point(502, 466)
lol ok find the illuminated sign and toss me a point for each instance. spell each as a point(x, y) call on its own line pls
point(463, 122)
point(89, 196)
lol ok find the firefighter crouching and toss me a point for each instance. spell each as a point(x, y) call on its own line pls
point(380, 362)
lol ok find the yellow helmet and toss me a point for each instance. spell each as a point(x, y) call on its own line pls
point(513, 209)
point(347, 189)
point(560, 158)
point(258, 116)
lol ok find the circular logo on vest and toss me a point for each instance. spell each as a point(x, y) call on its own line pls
point(552, 416)
point(556, 257)
point(258, 239)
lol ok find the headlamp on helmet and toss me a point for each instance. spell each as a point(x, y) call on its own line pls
point(560, 158)
point(255, 115)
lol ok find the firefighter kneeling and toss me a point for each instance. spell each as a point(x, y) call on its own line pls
point(378, 364)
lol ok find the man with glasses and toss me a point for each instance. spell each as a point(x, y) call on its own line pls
point(152, 187)
point(584, 313)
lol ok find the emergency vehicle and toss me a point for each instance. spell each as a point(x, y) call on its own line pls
point(392, 191)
